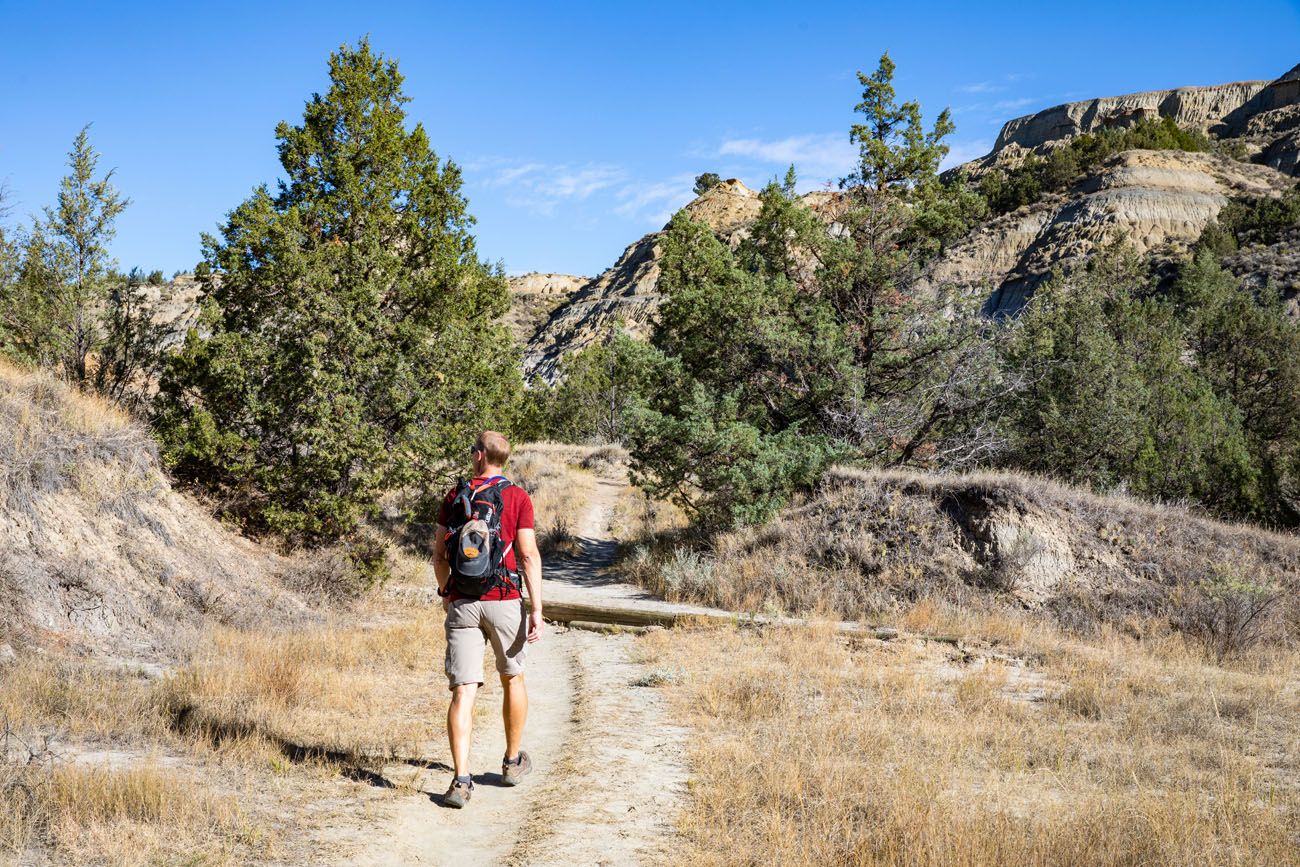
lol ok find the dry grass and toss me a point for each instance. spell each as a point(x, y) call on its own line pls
point(250, 711)
point(560, 489)
point(78, 699)
point(53, 438)
point(140, 815)
point(351, 694)
point(812, 750)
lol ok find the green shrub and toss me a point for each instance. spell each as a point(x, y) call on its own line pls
point(1242, 222)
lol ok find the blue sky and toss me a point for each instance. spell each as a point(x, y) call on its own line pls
point(580, 126)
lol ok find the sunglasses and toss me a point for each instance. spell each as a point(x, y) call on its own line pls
point(475, 449)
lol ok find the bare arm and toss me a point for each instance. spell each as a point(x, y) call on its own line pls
point(441, 565)
point(526, 550)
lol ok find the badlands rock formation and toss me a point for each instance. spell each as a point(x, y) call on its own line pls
point(1223, 110)
point(1158, 201)
point(534, 297)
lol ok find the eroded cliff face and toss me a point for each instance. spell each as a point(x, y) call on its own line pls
point(534, 297)
point(1222, 109)
point(1157, 201)
point(1192, 107)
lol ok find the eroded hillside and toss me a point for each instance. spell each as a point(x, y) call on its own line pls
point(100, 553)
point(1156, 201)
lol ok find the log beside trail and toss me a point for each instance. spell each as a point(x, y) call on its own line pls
point(627, 618)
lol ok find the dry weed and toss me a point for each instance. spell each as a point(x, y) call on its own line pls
point(812, 750)
point(349, 693)
point(138, 815)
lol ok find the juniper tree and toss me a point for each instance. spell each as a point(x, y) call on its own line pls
point(894, 150)
point(51, 310)
point(1112, 402)
point(347, 344)
point(706, 182)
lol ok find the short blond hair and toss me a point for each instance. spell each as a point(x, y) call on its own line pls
point(495, 447)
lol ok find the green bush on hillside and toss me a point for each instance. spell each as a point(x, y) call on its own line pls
point(1243, 222)
point(1006, 190)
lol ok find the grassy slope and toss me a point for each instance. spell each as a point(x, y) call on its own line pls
point(1076, 721)
point(869, 544)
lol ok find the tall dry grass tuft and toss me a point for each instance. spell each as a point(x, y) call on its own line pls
point(808, 749)
point(354, 694)
point(137, 815)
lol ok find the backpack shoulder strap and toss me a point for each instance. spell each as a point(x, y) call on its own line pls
point(460, 500)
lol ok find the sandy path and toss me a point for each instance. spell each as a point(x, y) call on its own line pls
point(609, 771)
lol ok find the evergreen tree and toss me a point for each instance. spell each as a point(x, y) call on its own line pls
point(895, 151)
point(807, 342)
point(706, 182)
point(1248, 349)
point(9, 257)
point(595, 393)
point(51, 312)
point(131, 353)
point(1109, 400)
point(348, 343)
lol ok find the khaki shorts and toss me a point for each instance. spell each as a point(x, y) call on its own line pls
point(471, 624)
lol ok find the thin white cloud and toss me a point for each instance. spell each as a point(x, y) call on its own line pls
point(540, 187)
point(981, 87)
point(1012, 104)
point(654, 203)
point(965, 151)
point(816, 154)
point(998, 107)
point(510, 175)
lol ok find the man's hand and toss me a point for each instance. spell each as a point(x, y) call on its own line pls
point(446, 603)
point(535, 625)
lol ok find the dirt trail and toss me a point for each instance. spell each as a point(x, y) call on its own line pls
point(609, 770)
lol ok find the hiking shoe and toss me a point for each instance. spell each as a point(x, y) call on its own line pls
point(458, 794)
point(513, 772)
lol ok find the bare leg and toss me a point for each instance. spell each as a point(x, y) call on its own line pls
point(460, 721)
point(514, 710)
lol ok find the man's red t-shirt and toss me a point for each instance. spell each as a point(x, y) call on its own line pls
point(516, 515)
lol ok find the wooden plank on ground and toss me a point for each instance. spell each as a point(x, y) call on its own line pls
point(593, 617)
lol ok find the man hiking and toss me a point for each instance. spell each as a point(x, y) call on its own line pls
point(484, 533)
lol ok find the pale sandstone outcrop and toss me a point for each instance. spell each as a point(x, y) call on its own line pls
point(1158, 201)
point(536, 283)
